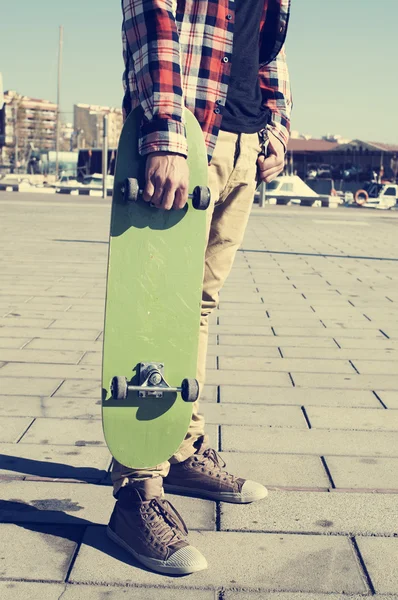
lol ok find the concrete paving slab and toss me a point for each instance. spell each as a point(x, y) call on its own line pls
point(243, 330)
point(286, 365)
point(40, 356)
point(77, 504)
point(390, 399)
point(363, 473)
point(80, 388)
point(246, 378)
point(37, 332)
point(338, 353)
point(244, 414)
point(21, 322)
point(37, 552)
point(13, 343)
point(318, 513)
point(72, 432)
point(260, 340)
point(284, 562)
point(380, 556)
point(316, 442)
point(352, 418)
point(60, 407)
point(10, 590)
point(373, 346)
point(63, 462)
point(54, 371)
point(299, 396)
point(91, 358)
point(209, 394)
point(257, 351)
point(278, 470)
point(12, 428)
point(28, 386)
point(332, 332)
point(370, 367)
point(337, 381)
point(57, 344)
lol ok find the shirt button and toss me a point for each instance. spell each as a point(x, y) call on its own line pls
point(225, 59)
point(217, 111)
point(229, 17)
point(218, 101)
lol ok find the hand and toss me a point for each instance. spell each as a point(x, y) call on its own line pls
point(271, 166)
point(167, 178)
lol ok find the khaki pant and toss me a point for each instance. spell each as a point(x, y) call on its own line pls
point(232, 182)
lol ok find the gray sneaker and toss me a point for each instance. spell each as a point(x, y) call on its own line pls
point(151, 529)
point(203, 475)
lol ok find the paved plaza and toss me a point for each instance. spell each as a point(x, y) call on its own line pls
point(302, 395)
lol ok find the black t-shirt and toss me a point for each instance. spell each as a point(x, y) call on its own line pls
point(243, 111)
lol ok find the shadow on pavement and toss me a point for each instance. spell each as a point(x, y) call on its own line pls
point(64, 526)
point(54, 470)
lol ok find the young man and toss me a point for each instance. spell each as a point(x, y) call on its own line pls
point(224, 60)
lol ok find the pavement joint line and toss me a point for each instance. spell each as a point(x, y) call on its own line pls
point(379, 399)
point(338, 534)
point(383, 333)
point(280, 351)
point(26, 430)
point(305, 415)
point(56, 390)
point(292, 380)
point(362, 564)
point(75, 554)
point(354, 367)
point(327, 470)
point(336, 342)
point(80, 359)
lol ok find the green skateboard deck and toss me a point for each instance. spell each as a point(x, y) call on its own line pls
point(152, 313)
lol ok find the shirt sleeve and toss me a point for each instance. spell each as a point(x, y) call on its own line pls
point(151, 52)
point(276, 93)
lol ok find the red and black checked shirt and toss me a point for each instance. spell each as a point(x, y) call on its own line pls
point(177, 53)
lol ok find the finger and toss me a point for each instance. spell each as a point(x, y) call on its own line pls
point(271, 162)
point(148, 191)
point(270, 172)
point(158, 192)
point(168, 197)
point(271, 175)
point(181, 198)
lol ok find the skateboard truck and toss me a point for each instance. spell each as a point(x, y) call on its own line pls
point(200, 196)
point(153, 384)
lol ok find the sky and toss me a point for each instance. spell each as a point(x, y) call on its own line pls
point(342, 57)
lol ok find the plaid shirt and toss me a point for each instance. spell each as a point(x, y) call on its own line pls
point(177, 53)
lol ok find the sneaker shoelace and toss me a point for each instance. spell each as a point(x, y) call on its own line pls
point(166, 522)
point(216, 464)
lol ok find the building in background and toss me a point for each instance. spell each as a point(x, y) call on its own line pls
point(348, 161)
point(88, 125)
point(26, 125)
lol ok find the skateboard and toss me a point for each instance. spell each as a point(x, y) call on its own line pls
point(152, 310)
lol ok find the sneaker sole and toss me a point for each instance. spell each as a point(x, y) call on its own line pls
point(154, 564)
point(232, 497)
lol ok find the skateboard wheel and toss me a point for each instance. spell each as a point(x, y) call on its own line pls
point(189, 390)
point(131, 190)
point(119, 388)
point(201, 198)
